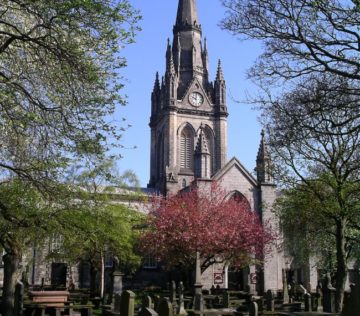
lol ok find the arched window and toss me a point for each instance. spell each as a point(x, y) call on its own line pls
point(238, 197)
point(210, 141)
point(187, 149)
point(160, 156)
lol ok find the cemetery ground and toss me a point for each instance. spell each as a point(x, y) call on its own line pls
point(176, 300)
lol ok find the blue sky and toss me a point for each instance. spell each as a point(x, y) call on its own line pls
point(147, 56)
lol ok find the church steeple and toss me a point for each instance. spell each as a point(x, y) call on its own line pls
point(187, 14)
point(187, 47)
point(189, 117)
point(263, 163)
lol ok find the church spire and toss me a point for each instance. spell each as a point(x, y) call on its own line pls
point(187, 14)
point(263, 163)
point(187, 50)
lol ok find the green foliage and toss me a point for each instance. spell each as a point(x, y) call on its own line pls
point(89, 233)
point(308, 215)
point(60, 78)
point(25, 216)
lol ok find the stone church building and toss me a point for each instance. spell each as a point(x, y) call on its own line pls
point(189, 139)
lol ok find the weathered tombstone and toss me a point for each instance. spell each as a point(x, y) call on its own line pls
point(147, 312)
point(315, 298)
point(347, 310)
point(226, 299)
point(270, 303)
point(117, 282)
point(127, 306)
point(198, 304)
point(253, 309)
point(146, 302)
point(173, 296)
point(156, 303)
point(285, 288)
point(319, 296)
point(307, 298)
point(328, 296)
point(19, 299)
point(165, 308)
point(352, 300)
point(117, 303)
point(181, 308)
point(173, 292)
point(292, 291)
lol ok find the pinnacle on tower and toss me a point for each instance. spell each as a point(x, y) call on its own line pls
point(170, 66)
point(202, 145)
point(219, 73)
point(263, 162)
point(157, 83)
point(202, 156)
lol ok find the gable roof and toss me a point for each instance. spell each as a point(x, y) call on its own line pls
point(235, 163)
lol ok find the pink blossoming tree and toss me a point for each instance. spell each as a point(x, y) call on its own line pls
point(220, 228)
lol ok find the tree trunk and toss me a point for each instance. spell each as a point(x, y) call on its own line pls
point(11, 264)
point(341, 270)
point(102, 281)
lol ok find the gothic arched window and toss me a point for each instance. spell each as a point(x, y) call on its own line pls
point(238, 197)
point(187, 149)
point(210, 142)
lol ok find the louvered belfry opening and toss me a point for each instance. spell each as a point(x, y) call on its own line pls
point(187, 150)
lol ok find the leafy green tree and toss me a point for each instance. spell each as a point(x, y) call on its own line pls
point(100, 223)
point(308, 221)
point(26, 217)
point(318, 153)
point(60, 79)
point(88, 235)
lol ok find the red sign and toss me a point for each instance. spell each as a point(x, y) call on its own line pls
point(253, 278)
point(218, 278)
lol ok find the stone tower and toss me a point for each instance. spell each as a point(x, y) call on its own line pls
point(188, 112)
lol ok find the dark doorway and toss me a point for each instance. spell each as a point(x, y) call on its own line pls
point(58, 274)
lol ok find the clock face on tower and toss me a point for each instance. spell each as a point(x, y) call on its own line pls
point(196, 99)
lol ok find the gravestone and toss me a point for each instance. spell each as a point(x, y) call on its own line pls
point(270, 303)
point(117, 303)
point(117, 282)
point(173, 292)
point(352, 300)
point(127, 306)
point(328, 296)
point(315, 300)
point(319, 296)
point(285, 288)
point(307, 298)
point(147, 312)
point(226, 299)
point(157, 300)
point(181, 308)
point(165, 308)
point(146, 302)
point(253, 309)
point(173, 296)
point(19, 299)
point(198, 304)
